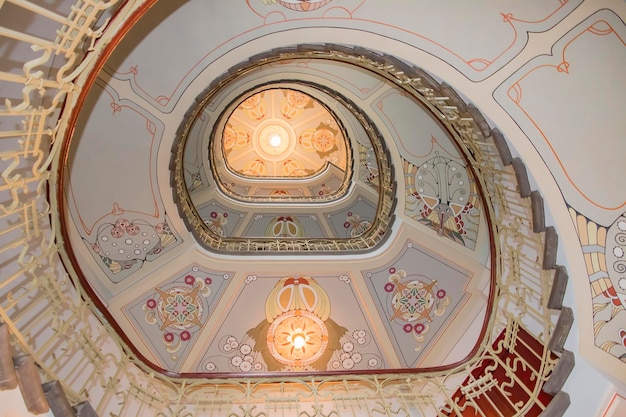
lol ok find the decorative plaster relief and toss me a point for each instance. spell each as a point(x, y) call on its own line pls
point(121, 245)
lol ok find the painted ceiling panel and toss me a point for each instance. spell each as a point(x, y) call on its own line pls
point(125, 180)
point(419, 138)
point(241, 336)
point(310, 315)
point(578, 80)
point(169, 317)
point(417, 295)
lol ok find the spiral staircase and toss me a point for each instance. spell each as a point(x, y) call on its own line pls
point(61, 349)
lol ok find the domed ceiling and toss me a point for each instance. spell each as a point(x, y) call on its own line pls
point(299, 212)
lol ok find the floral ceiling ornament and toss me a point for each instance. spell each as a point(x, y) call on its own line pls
point(416, 302)
point(442, 195)
point(321, 140)
point(285, 226)
point(178, 310)
point(125, 243)
point(294, 103)
point(297, 333)
point(605, 256)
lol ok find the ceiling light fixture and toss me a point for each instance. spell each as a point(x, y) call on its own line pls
point(275, 140)
point(298, 340)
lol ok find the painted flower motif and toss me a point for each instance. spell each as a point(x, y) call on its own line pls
point(122, 223)
point(419, 328)
point(151, 303)
point(210, 366)
point(373, 362)
point(389, 287)
point(441, 293)
point(245, 366)
point(348, 363)
point(132, 229)
point(208, 281)
point(323, 140)
point(408, 328)
point(297, 99)
point(251, 102)
point(189, 280)
point(168, 337)
point(117, 232)
point(184, 336)
point(293, 168)
point(356, 357)
point(228, 138)
point(255, 167)
point(348, 347)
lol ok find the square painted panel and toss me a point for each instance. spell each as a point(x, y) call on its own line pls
point(169, 318)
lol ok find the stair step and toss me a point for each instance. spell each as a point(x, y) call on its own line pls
point(85, 409)
point(57, 399)
point(8, 378)
point(29, 382)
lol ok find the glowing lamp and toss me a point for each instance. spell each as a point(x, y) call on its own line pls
point(298, 340)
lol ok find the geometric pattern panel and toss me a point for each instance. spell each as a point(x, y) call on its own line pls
point(416, 295)
point(169, 317)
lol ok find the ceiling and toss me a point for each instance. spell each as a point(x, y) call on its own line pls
point(417, 297)
point(547, 74)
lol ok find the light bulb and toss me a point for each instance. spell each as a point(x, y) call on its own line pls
point(275, 140)
point(298, 341)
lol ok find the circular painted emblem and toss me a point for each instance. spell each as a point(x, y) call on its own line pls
point(297, 338)
point(413, 301)
point(179, 307)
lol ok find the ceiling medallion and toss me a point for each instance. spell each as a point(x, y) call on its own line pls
point(297, 333)
point(274, 139)
point(297, 339)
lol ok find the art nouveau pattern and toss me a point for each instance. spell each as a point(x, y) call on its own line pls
point(604, 251)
